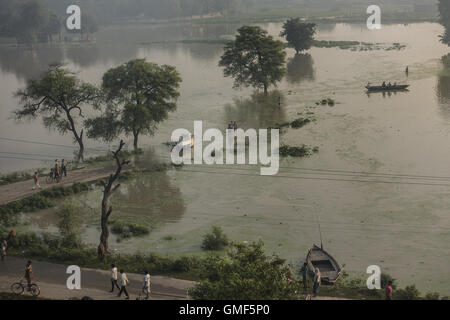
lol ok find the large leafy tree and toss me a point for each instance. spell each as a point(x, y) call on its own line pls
point(299, 35)
point(60, 98)
point(444, 10)
point(254, 59)
point(245, 274)
point(139, 95)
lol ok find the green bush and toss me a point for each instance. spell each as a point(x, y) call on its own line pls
point(216, 240)
point(127, 230)
point(409, 293)
point(432, 296)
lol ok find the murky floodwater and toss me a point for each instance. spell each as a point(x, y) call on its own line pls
point(400, 223)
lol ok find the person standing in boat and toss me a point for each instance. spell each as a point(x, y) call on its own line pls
point(317, 280)
point(384, 84)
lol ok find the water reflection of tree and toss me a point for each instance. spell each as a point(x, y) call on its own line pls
point(27, 64)
point(258, 111)
point(300, 67)
point(443, 86)
point(151, 197)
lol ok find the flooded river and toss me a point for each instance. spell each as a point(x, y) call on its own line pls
point(379, 184)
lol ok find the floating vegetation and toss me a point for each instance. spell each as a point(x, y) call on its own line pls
point(300, 122)
point(328, 101)
point(297, 152)
point(357, 46)
point(297, 123)
point(127, 230)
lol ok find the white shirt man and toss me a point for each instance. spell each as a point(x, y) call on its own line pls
point(146, 285)
point(123, 282)
point(114, 278)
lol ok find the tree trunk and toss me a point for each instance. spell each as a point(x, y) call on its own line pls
point(265, 89)
point(108, 190)
point(135, 141)
point(80, 156)
point(104, 236)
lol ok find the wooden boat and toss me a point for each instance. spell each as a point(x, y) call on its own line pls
point(330, 270)
point(398, 87)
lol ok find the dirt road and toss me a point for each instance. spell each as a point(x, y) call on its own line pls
point(20, 190)
point(52, 278)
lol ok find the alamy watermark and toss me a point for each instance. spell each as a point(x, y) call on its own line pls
point(374, 281)
point(73, 22)
point(74, 280)
point(235, 146)
point(374, 20)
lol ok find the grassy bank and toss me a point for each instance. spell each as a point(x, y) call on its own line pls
point(42, 200)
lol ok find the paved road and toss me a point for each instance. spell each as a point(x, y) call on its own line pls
point(20, 190)
point(52, 278)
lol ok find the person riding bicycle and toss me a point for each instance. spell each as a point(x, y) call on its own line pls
point(29, 274)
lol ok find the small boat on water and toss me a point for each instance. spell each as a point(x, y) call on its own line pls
point(330, 270)
point(398, 87)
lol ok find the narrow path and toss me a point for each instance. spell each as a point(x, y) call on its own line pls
point(23, 189)
point(52, 278)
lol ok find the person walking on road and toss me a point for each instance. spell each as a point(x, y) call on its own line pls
point(114, 278)
point(123, 283)
point(36, 181)
point(29, 274)
point(146, 285)
point(63, 168)
point(389, 291)
point(317, 280)
point(3, 249)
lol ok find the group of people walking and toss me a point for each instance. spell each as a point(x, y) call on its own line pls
point(56, 172)
point(124, 282)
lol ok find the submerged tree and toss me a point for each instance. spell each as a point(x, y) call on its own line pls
point(139, 95)
point(299, 35)
point(254, 59)
point(108, 189)
point(59, 98)
point(444, 12)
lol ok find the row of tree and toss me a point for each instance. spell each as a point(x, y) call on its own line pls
point(256, 59)
point(31, 21)
point(132, 100)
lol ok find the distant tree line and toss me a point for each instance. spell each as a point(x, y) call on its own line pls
point(108, 11)
point(31, 21)
point(444, 12)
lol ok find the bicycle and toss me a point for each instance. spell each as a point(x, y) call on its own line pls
point(51, 178)
point(19, 287)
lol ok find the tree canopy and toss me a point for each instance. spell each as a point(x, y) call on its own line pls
point(60, 99)
point(245, 274)
point(298, 35)
point(254, 59)
point(139, 95)
point(444, 13)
